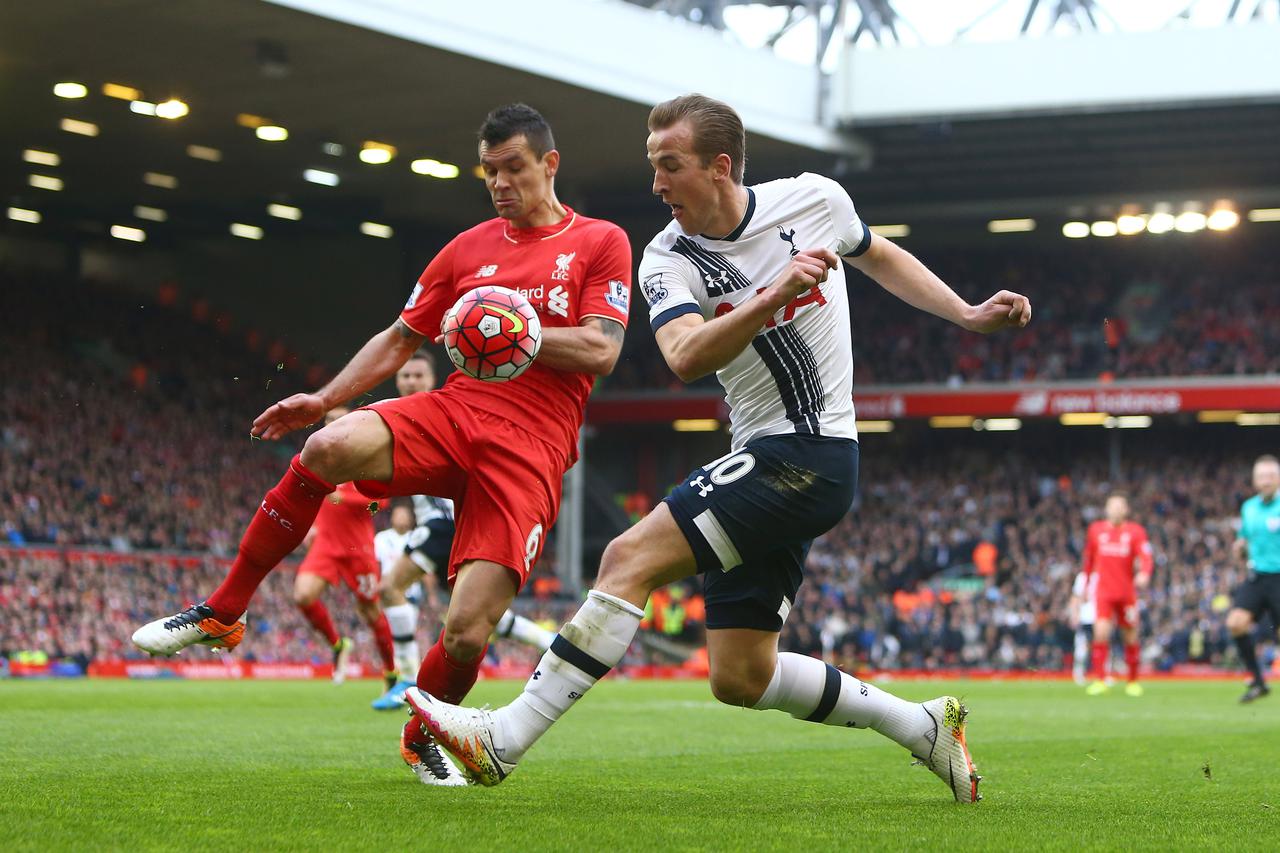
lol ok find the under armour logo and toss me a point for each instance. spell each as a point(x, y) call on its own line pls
point(704, 489)
point(789, 236)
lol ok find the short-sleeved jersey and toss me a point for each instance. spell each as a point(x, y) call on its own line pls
point(797, 375)
point(1260, 527)
point(1110, 552)
point(388, 547)
point(344, 525)
point(570, 271)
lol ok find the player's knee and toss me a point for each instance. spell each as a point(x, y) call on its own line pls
point(623, 564)
point(369, 611)
point(741, 688)
point(324, 452)
point(465, 637)
point(1239, 622)
point(304, 597)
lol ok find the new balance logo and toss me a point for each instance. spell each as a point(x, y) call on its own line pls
point(790, 237)
point(486, 271)
point(558, 300)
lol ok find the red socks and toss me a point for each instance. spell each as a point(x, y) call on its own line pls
point(282, 520)
point(447, 679)
point(318, 615)
point(1101, 651)
point(382, 636)
point(1131, 656)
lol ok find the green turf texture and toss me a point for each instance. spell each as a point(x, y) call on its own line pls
point(171, 765)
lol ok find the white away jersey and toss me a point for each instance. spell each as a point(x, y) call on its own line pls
point(1087, 592)
point(797, 375)
point(388, 546)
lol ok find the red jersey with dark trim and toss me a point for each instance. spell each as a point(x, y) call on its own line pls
point(1110, 552)
point(344, 525)
point(577, 268)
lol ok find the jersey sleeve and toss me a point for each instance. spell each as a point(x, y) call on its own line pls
point(666, 282)
point(853, 237)
point(606, 292)
point(432, 294)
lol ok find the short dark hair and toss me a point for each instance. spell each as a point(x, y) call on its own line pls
point(424, 354)
point(1266, 458)
point(717, 129)
point(518, 120)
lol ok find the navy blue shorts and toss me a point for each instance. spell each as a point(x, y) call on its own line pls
point(751, 516)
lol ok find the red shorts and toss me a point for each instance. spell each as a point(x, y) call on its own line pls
point(504, 482)
point(360, 574)
point(1122, 611)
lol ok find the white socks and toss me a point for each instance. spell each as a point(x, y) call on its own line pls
point(587, 647)
point(524, 630)
point(402, 619)
point(808, 689)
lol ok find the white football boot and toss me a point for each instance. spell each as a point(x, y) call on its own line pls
point(428, 764)
point(467, 733)
point(193, 626)
point(945, 752)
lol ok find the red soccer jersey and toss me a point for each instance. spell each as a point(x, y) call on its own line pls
point(344, 528)
point(1110, 551)
point(569, 271)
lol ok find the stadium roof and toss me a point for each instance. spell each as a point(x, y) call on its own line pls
point(331, 83)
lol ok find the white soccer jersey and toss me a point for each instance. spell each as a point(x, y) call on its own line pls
point(1087, 592)
point(426, 508)
point(388, 546)
point(797, 375)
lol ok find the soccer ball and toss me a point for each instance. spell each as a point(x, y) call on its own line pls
point(492, 333)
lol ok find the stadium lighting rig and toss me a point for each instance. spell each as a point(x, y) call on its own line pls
point(1222, 216)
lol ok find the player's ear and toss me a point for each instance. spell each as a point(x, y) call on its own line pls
point(721, 167)
point(551, 161)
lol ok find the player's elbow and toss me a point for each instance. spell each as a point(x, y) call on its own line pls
point(684, 367)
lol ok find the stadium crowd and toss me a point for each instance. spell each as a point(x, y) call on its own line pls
point(123, 435)
point(1094, 317)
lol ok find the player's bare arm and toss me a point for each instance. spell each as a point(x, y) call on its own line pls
point(383, 354)
point(899, 272)
point(592, 347)
point(694, 347)
point(1240, 549)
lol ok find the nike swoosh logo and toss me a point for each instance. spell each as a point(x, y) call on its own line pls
point(517, 322)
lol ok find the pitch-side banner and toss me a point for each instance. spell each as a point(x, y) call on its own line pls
point(1147, 397)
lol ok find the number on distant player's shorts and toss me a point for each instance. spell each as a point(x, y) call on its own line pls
point(732, 469)
point(367, 586)
point(1131, 614)
point(531, 546)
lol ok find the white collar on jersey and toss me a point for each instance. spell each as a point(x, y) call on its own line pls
point(572, 219)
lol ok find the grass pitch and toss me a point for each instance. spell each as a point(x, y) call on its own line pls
point(637, 766)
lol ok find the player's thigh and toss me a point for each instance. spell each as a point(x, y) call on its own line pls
point(308, 586)
point(357, 446)
point(1239, 621)
point(742, 663)
point(758, 594)
point(482, 591)
point(404, 573)
point(651, 554)
point(1102, 629)
point(428, 446)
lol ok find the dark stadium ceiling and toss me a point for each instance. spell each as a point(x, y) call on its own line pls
point(327, 82)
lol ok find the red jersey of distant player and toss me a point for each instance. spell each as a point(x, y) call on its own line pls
point(1111, 552)
point(570, 271)
point(342, 549)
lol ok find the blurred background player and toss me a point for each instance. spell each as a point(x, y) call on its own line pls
point(1112, 547)
point(341, 550)
point(501, 450)
point(1259, 545)
point(750, 306)
point(1082, 612)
